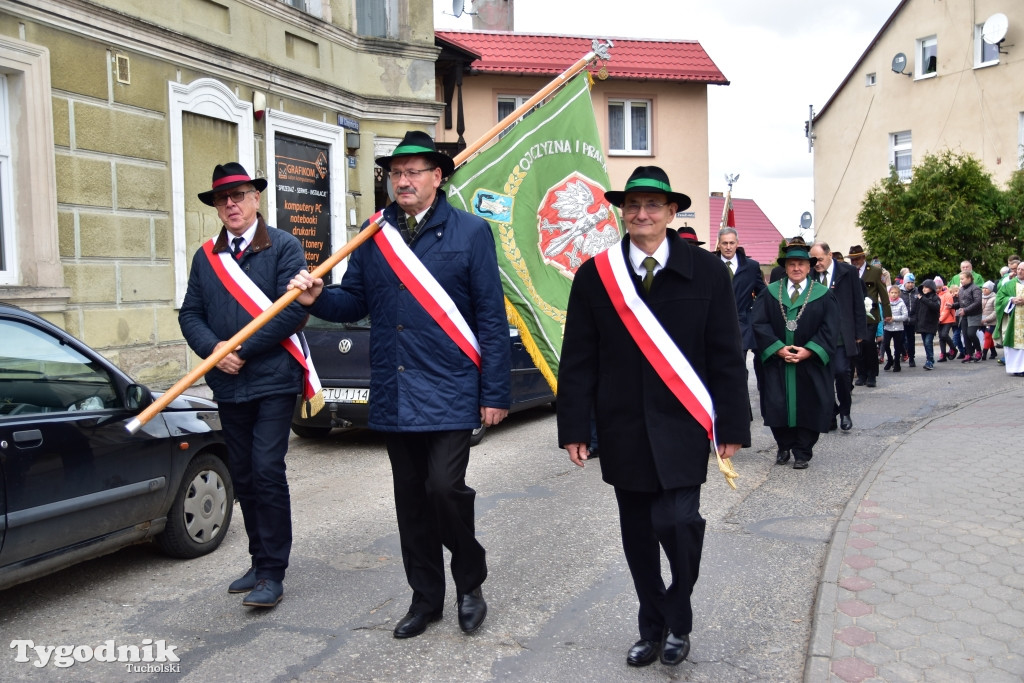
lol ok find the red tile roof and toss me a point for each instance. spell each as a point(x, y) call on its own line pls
point(539, 54)
point(758, 236)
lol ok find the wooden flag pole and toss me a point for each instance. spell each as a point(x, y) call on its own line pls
point(599, 50)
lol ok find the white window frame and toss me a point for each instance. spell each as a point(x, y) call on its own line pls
point(871, 79)
point(316, 131)
point(1020, 140)
point(206, 97)
point(920, 63)
point(314, 7)
point(390, 18)
point(899, 148)
point(979, 49)
point(8, 238)
point(627, 134)
point(30, 194)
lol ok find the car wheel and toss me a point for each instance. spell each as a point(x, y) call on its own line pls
point(201, 512)
point(477, 436)
point(311, 432)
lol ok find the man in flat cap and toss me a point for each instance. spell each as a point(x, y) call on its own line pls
point(652, 348)
point(439, 368)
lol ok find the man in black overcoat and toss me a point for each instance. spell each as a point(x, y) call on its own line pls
point(654, 451)
point(848, 290)
point(747, 283)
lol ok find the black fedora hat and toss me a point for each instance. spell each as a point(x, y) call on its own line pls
point(689, 234)
point(227, 176)
point(797, 251)
point(418, 143)
point(649, 179)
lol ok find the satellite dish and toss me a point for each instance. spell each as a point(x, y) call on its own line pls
point(994, 30)
point(805, 220)
point(458, 6)
point(899, 62)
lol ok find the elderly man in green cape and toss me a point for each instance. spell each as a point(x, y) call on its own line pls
point(796, 327)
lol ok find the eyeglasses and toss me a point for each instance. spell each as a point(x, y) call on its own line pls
point(235, 197)
point(649, 207)
point(411, 174)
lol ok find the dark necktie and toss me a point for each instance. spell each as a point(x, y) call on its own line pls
point(795, 295)
point(731, 271)
point(236, 249)
point(649, 263)
point(823, 278)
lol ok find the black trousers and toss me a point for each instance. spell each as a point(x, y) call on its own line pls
point(650, 522)
point(867, 361)
point(256, 435)
point(435, 508)
point(841, 374)
point(798, 440)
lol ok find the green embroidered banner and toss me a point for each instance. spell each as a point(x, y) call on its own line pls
point(541, 187)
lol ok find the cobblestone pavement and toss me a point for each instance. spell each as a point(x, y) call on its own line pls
point(923, 580)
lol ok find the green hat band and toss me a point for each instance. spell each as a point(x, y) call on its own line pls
point(647, 182)
point(797, 253)
point(412, 149)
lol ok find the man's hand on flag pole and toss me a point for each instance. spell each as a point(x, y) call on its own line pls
point(308, 285)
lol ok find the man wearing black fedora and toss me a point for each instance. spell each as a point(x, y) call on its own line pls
point(651, 323)
point(242, 267)
point(439, 368)
point(867, 362)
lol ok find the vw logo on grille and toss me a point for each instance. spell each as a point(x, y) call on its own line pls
point(345, 345)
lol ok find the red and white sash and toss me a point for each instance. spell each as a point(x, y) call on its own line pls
point(425, 288)
point(254, 301)
point(655, 344)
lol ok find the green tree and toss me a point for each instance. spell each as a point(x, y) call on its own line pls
point(950, 211)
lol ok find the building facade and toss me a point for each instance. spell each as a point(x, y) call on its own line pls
point(650, 101)
point(113, 114)
point(928, 82)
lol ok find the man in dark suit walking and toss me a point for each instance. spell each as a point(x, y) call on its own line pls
point(874, 289)
point(848, 291)
point(652, 347)
point(747, 283)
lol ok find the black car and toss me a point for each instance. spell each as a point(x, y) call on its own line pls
point(341, 355)
point(74, 483)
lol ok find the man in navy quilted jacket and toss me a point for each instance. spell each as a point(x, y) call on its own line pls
point(244, 268)
point(439, 368)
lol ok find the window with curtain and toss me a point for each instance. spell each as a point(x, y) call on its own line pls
point(629, 126)
point(900, 154)
point(372, 18)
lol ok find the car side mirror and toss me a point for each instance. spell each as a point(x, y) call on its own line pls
point(137, 397)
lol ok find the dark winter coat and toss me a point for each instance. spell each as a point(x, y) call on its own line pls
point(209, 314)
point(927, 309)
point(419, 379)
point(648, 439)
point(747, 283)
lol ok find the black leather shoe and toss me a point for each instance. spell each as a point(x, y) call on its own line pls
point(782, 457)
point(846, 423)
point(674, 648)
point(859, 382)
point(799, 464)
point(911, 363)
point(642, 653)
point(833, 425)
point(472, 610)
point(870, 382)
point(415, 623)
point(244, 584)
point(266, 593)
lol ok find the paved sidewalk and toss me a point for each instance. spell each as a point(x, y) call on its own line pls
point(924, 578)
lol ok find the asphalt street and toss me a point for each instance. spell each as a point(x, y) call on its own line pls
point(561, 602)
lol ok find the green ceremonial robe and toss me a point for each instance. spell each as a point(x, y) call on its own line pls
point(796, 394)
point(1007, 322)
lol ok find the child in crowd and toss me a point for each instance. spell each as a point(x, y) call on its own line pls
point(947, 320)
point(988, 319)
point(893, 330)
point(927, 322)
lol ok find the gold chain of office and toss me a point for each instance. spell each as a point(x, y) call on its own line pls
point(791, 325)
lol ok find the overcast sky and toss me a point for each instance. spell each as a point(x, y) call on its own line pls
point(780, 56)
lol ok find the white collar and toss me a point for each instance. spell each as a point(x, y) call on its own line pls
point(637, 256)
point(246, 236)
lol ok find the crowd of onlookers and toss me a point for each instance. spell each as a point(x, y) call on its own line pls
point(961, 315)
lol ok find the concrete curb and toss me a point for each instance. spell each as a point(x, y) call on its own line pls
point(819, 651)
